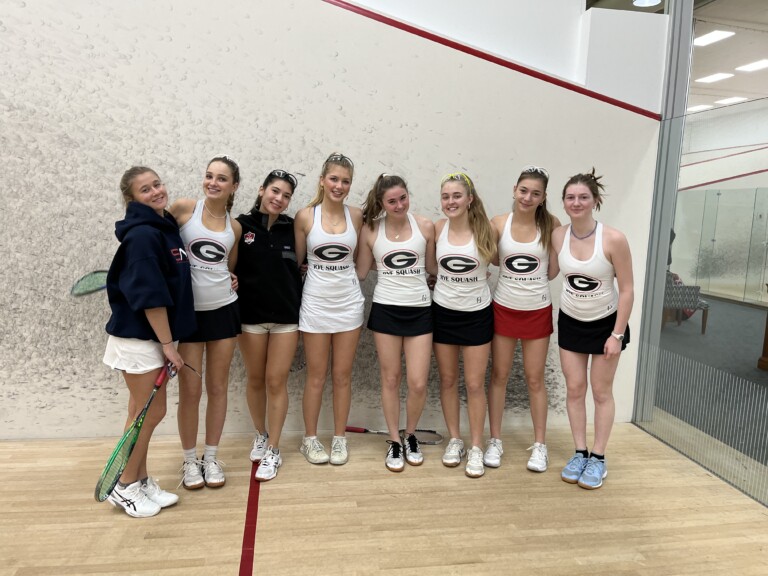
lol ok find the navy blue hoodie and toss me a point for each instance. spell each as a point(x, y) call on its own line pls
point(149, 270)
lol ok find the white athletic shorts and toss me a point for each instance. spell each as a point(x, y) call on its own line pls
point(133, 356)
point(269, 328)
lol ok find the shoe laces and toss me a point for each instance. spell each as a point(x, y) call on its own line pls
point(475, 457)
point(593, 467)
point(495, 443)
point(260, 441)
point(270, 458)
point(413, 443)
point(454, 446)
point(315, 446)
point(213, 466)
point(394, 448)
point(189, 463)
point(338, 445)
point(539, 451)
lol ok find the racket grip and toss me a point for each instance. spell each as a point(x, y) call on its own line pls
point(162, 377)
point(356, 429)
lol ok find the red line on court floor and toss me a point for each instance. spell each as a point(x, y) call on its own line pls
point(491, 58)
point(249, 530)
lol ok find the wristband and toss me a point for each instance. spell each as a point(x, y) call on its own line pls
point(166, 343)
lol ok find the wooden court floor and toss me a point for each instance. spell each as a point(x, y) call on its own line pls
point(657, 514)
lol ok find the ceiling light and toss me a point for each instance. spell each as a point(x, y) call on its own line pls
point(759, 65)
point(646, 3)
point(699, 108)
point(712, 37)
point(731, 100)
point(714, 78)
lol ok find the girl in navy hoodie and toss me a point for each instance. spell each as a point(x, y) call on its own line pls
point(150, 294)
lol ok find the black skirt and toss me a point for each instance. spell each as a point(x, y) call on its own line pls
point(462, 328)
point(218, 324)
point(586, 337)
point(400, 320)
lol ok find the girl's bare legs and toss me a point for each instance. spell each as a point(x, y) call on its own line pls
point(342, 361)
point(503, 352)
point(418, 355)
point(389, 349)
point(190, 392)
point(280, 354)
point(317, 349)
point(534, 362)
point(574, 366)
point(140, 387)
point(475, 369)
point(447, 357)
point(601, 377)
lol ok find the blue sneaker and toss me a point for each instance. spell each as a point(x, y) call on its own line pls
point(592, 477)
point(574, 469)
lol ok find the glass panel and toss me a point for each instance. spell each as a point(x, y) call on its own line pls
point(707, 377)
point(755, 289)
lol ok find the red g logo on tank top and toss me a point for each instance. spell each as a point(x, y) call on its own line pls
point(332, 252)
point(459, 264)
point(582, 283)
point(522, 263)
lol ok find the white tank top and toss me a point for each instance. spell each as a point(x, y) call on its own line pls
point(330, 258)
point(401, 278)
point(589, 291)
point(208, 253)
point(523, 272)
point(462, 283)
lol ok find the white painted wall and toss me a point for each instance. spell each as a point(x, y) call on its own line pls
point(92, 87)
point(743, 124)
point(625, 55)
point(616, 53)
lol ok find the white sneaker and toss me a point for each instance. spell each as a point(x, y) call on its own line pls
point(158, 495)
point(539, 457)
point(394, 460)
point(133, 500)
point(269, 464)
point(192, 474)
point(339, 452)
point(313, 450)
point(475, 467)
point(453, 452)
point(259, 446)
point(493, 452)
point(413, 454)
point(213, 473)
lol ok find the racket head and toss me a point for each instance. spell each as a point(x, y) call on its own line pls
point(90, 283)
point(116, 463)
point(426, 437)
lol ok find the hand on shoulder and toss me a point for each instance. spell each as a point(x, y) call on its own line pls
point(182, 209)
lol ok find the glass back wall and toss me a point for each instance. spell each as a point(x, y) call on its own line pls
point(705, 388)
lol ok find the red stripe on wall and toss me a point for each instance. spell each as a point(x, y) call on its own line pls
point(723, 179)
point(725, 156)
point(492, 58)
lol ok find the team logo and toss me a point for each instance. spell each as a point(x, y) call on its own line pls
point(400, 259)
point(208, 251)
point(582, 283)
point(179, 254)
point(522, 263)
point(332, 252)
point(249, 237)
point(457, 264)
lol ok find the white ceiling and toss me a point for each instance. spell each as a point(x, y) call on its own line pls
point(748, 19)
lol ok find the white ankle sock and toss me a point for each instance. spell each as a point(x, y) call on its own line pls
point(210, 452)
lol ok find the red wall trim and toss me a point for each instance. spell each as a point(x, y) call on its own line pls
point(492, 58)
point(723, 179)
point(726, 156)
